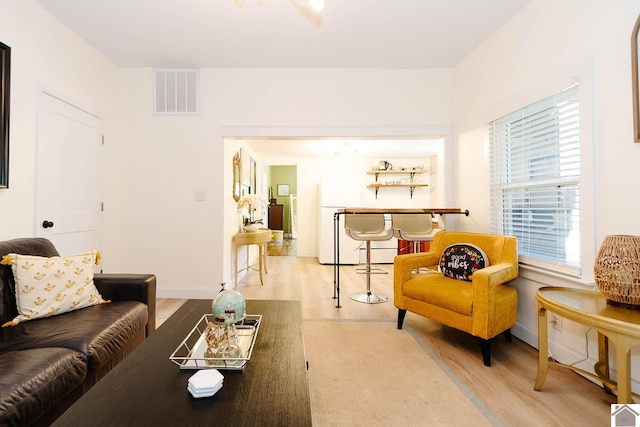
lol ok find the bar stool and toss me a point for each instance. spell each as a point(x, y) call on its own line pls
point(367, 227)
point(414, 228)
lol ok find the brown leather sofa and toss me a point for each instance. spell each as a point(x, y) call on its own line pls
point(47, 364)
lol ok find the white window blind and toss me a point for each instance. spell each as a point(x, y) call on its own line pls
point(535, 181)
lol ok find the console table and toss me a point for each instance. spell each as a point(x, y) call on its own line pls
point(147, 389)
point(260, 237)
point(360, 211)
point(618, 324)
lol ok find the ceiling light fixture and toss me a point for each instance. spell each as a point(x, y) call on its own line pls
point(344, 149)
point(311, 10)
point(317, 5)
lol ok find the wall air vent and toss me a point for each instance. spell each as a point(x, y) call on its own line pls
point(176, 91)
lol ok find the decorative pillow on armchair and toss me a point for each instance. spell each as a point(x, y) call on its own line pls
point(461, 260)
point(50, 286)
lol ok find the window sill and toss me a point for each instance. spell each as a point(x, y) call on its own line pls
point(549, 278)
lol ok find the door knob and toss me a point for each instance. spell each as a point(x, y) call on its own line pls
point(47, 224)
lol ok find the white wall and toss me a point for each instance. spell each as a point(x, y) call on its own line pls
point(159, 227)
point(44, 55)
point(156, 164)
point(548, 42)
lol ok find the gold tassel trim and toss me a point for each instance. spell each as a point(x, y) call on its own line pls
point(6, 260)
point(11, 323)
point(98, 257)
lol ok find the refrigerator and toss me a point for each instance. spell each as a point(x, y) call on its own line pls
point(334, 194)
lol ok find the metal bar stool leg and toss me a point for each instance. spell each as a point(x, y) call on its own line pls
point(369, 297)
point(369, 269)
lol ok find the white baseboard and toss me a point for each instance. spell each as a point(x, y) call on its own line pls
point(558, 352)
point(565, 355)
point(525, 334)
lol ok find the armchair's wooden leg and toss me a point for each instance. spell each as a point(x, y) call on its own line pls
point(486, 347)
point(486, 352)
point(401, 314)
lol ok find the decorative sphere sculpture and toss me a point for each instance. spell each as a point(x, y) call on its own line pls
point(229, 305)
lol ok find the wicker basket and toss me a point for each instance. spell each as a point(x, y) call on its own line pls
point(617, 270)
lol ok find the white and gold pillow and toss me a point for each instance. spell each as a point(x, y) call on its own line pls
point(49, 286)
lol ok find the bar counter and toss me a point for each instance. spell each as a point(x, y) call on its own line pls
point(364, 210)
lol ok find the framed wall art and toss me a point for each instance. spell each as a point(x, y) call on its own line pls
point(283, 190)
point(5, 73)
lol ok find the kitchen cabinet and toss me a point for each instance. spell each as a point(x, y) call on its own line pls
point(406, 247)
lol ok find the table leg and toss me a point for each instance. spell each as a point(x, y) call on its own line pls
point(265, 251)
point(602, 367)
point(260, 252)
point(235, 267)
point(336, 258)
point(623, 358)
point(543, 348)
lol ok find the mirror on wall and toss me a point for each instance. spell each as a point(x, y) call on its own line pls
point(254, 187)
point(236, 177)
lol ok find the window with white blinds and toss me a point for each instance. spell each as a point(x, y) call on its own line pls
point(535, 181)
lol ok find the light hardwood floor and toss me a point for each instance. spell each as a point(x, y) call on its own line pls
point(287, 247)
point(506, 387)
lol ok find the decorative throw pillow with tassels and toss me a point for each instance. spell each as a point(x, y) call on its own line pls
point(49, 286)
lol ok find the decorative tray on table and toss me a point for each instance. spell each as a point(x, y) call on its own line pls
point(191, 353)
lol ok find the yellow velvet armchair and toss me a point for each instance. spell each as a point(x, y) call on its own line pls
point(483, 307)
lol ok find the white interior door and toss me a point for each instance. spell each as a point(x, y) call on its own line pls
point(69, 176)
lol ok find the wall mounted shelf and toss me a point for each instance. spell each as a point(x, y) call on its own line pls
point(411, 185)
point(410, 172)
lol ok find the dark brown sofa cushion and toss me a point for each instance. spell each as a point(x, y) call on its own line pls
point(98, 332)
point(33, 381)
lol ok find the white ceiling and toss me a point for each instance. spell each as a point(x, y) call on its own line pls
point(278, 33)
point(285, 34)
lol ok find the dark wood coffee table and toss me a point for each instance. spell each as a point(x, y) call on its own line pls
point(146, 388)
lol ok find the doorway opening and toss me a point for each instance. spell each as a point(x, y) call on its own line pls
point(320, 152)
point(281, 184)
